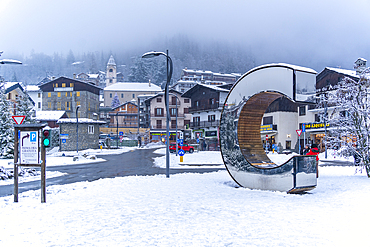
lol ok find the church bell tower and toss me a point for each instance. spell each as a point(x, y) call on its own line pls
point(111, 76)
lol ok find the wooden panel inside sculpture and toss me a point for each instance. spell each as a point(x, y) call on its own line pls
point(249, 126)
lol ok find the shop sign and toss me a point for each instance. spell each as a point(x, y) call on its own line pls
point(266, 127)
point(211, 133)
point(316, 125)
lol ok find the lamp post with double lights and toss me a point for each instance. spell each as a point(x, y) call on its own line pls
point(169, 70)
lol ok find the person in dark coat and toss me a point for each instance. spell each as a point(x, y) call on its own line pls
point(305, 150)
point(314, 151)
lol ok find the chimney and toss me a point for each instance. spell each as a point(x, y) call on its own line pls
point(149, 83)
point(74, 75)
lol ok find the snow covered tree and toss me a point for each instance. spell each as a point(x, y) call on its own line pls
point(350, 118)
point(24, 108)
point(6, 127)
point(115, 101)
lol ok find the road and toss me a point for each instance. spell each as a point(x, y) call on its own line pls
point(137, 162)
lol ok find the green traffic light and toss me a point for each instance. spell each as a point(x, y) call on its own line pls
point(46, 142)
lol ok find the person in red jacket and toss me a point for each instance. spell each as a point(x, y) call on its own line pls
point(314, 151)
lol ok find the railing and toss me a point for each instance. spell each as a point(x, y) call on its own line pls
point(204, 107)
point(180, 115)
point(162, 127)
point(204, 124)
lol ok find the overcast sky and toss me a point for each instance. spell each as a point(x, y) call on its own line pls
point(332, 32)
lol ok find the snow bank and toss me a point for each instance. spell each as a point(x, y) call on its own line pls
point(190, 210)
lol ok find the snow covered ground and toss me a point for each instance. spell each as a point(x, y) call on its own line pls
point(190, 210)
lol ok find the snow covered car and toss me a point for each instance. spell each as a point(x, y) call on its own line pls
point(186, 147)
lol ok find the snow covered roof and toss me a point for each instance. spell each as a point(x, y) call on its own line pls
point(214, 87)
point(32, 88)
point(80, 120)
point(49, 115)
point(93, 76)
point(343, 71)
point(295, 67)
point(133, 86)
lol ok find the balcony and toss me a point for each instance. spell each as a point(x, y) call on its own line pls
point(206, 107)
point(204, 124)
point(180, 115)
point(162, 127)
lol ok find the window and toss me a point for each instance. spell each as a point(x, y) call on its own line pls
point(89, 106)
point(173, 124)
point(110, 70)
point(159, 112)
point(63, 85)
point(78, 94)
point(9, 96)
point(90, 129)
point(39, 95)
point(122, 95)
point(159, 124)
point(110, 95)
point(211, 118)
point(288, 144)
point(211, 101)
point(186, 100)
point(49, 105)
point(302, 110)
point(267, 120)
point(187, 123)
point(59, 94)
point(70, 94)
point(56, 84)
point(78, 103)
point(71, 84)
point(186, 110)
point(133, 95)
point(196, 103)
point(196, 121)
point(173, 112)
point(39, 105)
point(174, 99)
point(59, 107)
point(49, 95)
point(159, 99)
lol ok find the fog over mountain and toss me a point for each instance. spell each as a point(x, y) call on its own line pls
point(223, 36)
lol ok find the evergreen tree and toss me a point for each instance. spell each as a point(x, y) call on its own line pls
point(6, 127)
point(115, 101)
point(25, 108)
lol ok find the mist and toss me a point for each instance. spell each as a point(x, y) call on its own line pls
point(315, 33)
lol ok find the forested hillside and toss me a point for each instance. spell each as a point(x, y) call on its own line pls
point(216, 56)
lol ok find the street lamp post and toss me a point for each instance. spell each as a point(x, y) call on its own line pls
point(117, 128)
point(177, 99)
point(78, 107)
point(169, 70)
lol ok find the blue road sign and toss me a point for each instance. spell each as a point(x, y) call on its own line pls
point(33, 136)
point(181, 142)
point(121, 133)
point(181, 152)
point(303, 127)
point(198, 140)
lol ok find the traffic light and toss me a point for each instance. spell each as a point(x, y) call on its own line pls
point(46, 137)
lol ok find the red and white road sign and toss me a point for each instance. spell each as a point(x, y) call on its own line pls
point(18, 119)
point(299, 132)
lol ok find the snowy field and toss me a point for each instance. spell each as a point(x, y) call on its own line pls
point(190, 210)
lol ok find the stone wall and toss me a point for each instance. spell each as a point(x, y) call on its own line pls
point(86, 140)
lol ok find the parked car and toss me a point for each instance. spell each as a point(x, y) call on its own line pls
point(186, 147)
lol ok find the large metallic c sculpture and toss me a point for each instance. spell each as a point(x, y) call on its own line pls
point(240, 138)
